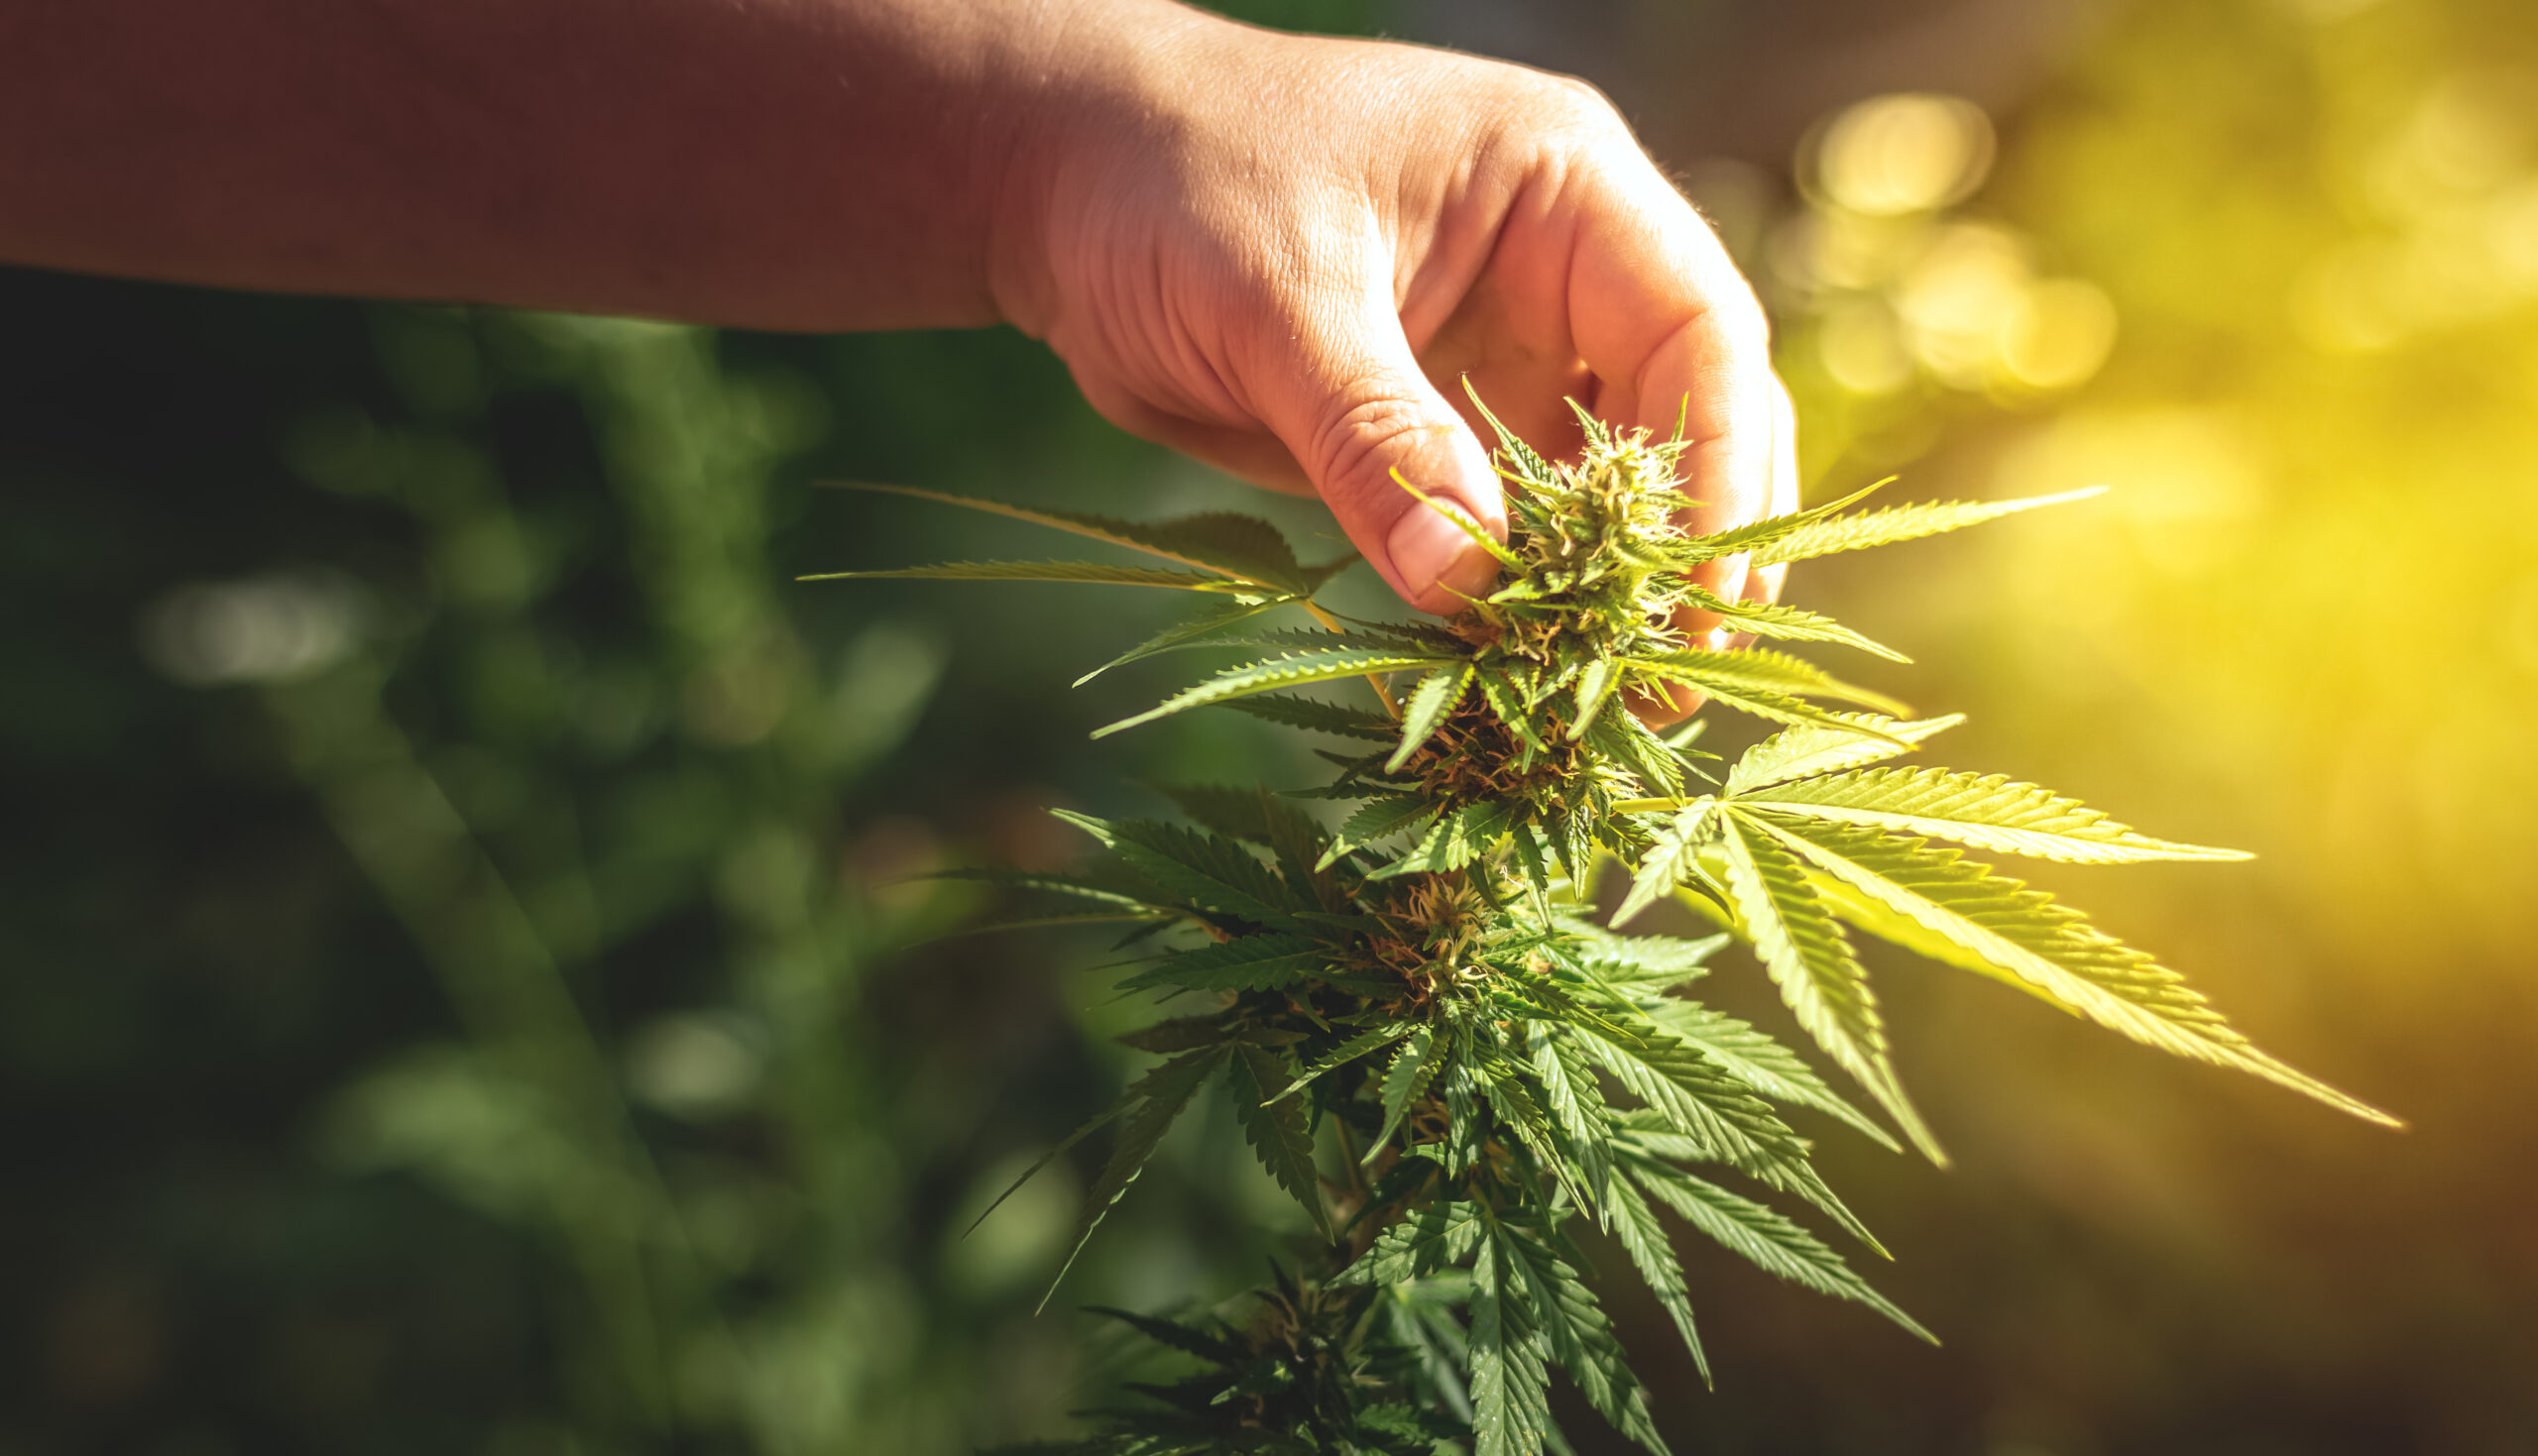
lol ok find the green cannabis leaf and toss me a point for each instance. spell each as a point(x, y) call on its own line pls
point(1429, 1040)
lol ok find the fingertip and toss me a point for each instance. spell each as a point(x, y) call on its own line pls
point(1430, 555)
point(1433, 559)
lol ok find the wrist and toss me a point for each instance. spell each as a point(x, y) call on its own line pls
point(1091, 94)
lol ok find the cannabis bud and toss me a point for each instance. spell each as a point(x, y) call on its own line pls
point(1432, 1041)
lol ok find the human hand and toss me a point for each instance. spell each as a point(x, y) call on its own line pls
point(1280, 254)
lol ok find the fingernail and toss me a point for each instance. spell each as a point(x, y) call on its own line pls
point(1426, 550)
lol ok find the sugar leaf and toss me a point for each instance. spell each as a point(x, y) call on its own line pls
point(1427, 706)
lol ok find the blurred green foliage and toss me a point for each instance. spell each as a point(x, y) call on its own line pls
point(456, 896)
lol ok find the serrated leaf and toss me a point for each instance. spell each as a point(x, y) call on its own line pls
point(1669, 857)
point(1462, 521)
point(1985, 811)
point(1129, 894)
point(1094, 573)
point(1893, 524)
point(1224, 809)
point(1762, 1237)
point(1579, 1335)
point(1802, 946)
point(1515, 1108)
point(1510, 1387)
point(1752, 672)
point(1215, 618)
point(1508, 704)
point(1597, 681)
point(1315, 639)
point(1282, 672)
point(1232, 543)
point(1345, 1053)
point(1643, 1237)
point(1405, 1081)
point(1527, 845)
point(2025, 936)
point(1280, 1132)
point(1755, 535)
point(1702, 1103)
point(1243, 964)
point(1211, 542)
point(1161, 1096)
point(1850, 741)
point(1427, 706)
point(1213, 873)
point(1571, 1096)
point(1466, 1128)
point(1172, 1334)
point(1637, 747)
point(1091, 1126)
point(1531, 468)
point(1379, 819)
point(1756, 1059)
point(1651, 962)
point(1274, 822)
point(1781, 708)
point(1780, 620)
point(1320, 716)
point(1460, 836)
point(1425, 1240)
point(1055, 922)
point(1598, 435)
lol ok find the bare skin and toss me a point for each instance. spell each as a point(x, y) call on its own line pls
point(1277, 253)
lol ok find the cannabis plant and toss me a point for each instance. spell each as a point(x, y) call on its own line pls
point(1436, 1044)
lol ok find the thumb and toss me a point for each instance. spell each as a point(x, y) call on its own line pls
point(1353, 407)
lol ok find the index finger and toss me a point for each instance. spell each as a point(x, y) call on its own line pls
point(1672, 331)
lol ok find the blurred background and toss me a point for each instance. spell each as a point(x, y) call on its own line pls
point(461, 981)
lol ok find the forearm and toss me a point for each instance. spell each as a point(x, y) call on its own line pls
point(781, 163)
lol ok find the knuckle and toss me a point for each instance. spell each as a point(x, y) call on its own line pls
point(1577, 109)
point(1748, 327)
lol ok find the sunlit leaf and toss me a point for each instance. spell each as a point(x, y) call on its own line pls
point(1987, 812)
point(1893, 523)
point(1801, 945)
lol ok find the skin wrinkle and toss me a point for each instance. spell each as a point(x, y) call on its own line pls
point(1454, 285)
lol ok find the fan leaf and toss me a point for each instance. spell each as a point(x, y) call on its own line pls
point(1985, 811)
point(2026, 938)
point(1801, 945)
point(1280, 672)
point(1893, 523)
